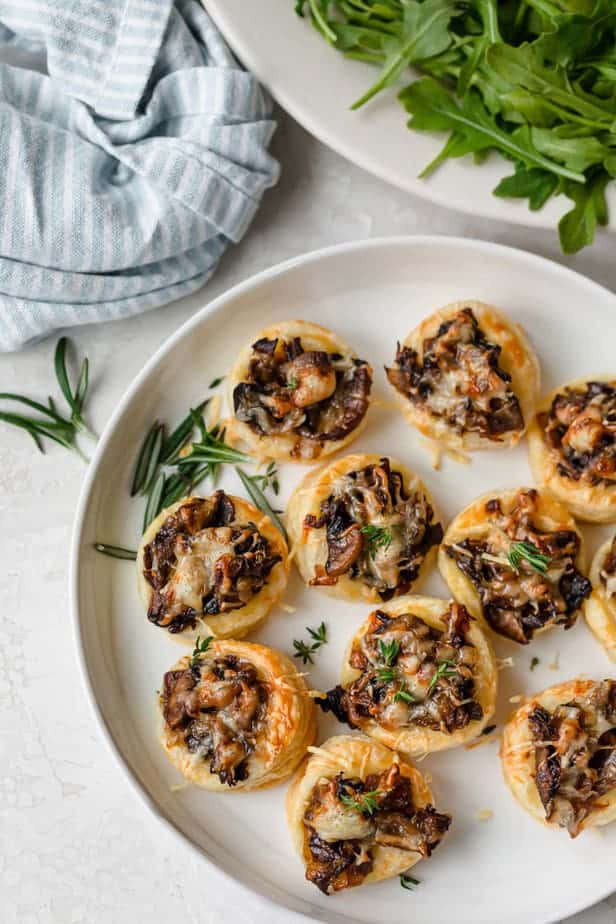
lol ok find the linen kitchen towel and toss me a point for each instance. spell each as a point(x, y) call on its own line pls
point(127, 168)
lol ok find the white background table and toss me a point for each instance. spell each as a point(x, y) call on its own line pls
point(76, 845)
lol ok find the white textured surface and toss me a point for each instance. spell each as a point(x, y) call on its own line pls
point(75, 845)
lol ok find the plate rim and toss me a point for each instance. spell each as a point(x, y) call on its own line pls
point(322, 132)
point(209, 308)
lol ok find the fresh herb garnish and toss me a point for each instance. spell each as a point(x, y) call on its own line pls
point(115, 551)
point(50, 424)
point(488, 729)
point(533, 81)
point(389, 651)
point(201, 646)
point(444, 669)
point(533, 663)
point(378, 537)
point(305, 650)
point(253, 489)
point(404, 695)
point(292, 383)
point(386, 674)
point(365, 802)
point(527, 551)
point(216, 382)
point(409, 882)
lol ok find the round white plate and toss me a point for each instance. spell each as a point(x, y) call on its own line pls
point(317, 85)
point(508, 868)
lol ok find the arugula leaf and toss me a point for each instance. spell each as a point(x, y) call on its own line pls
point(568, 145)
point(473, 129)
point(488, 12)
point(425, 33)
point(577, 228)
point(533, 184)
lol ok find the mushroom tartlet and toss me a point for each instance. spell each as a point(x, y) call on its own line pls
point(419, 676)
point(363, 527)
point(559, 755)
point(600, 608)
point(211, 562)
point(358, 814)
point(235, 715)
point(514, 560)
point(572, 447)
point(298, 392)
point(467, 377)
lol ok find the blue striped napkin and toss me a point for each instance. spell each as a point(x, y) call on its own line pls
point(127, 169)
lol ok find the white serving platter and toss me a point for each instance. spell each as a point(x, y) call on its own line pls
point(317, 85)
point(507, 868)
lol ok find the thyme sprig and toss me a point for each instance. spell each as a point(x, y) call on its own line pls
point(409, 882)
point(377, 537)
point(444, 669)
point(389, 651)
point(305, 650)
point(365, 802)
point(201, 646)
point(528, 551)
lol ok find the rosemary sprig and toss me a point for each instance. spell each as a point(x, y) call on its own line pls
point(292, 383)
point(213, 449)
point(409, 882)
point(154, 504)
point(533, 664)
point(269, 479)
point(365, 802)
point(404, 695)
point(386, 674)
point(201, 645)
point(259, 499)
point(527, 551)
point(444, 669)
point(216, 382)
point(115, 551)
point(179, 437)
point(50, 424)
point(74, 398)
point(378, 537)
point(305, 650)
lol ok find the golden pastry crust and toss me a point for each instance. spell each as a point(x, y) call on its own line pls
point(238, 622)
point(309, 545)
point(415, 740)
point(286, 728)
point(600, 608)
point(475, 523)
point(518, 754)
point(291, 446)
point(595, 503)
point(356, 757)
point(517, 358)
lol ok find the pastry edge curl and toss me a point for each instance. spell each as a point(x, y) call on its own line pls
point(599, 613)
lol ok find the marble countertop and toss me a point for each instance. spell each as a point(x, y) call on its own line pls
point(76, 847)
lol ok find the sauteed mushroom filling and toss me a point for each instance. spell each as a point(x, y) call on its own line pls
point(575, 755)
point(348, 817)
point(458, 378)
point(411, 674)
point(217, 707)
point(317, 395)
point(202, 561)
point(376, 531)
point(519, 596)
point(581, 427)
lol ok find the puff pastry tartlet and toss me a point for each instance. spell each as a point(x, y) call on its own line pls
point(358, 813)
point(211, 563)
point(559, 755)
point(362, 527)
point(600, 607)
point(235, 716)
point(514, 558)
point(419, 676)
point(467, 377)
point(572, 447)
point(298, 392)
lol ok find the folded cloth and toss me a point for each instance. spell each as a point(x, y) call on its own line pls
point(127, 168)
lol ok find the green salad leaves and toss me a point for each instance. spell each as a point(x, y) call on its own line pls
point(534, 80)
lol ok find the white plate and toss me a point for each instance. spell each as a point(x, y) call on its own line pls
point(509, 868)
point(317, 85)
